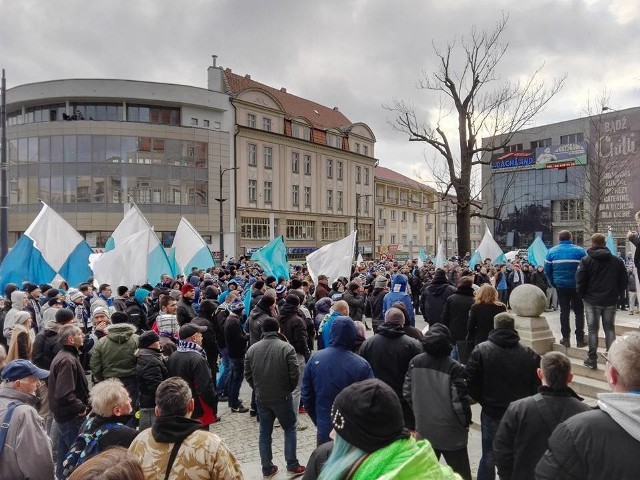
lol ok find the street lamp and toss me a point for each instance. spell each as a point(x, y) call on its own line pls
point(358, 196)
point(220, 200)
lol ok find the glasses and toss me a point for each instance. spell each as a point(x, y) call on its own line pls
point(605, 355)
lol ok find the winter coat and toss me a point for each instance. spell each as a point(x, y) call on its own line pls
point(27, 449)
point(202, 455)
point(516, 278)
point(322, 290)
point(254, 323)
point(21, 345)
point(324, 332)
point(322, 308)
point(602, 443)
point(45, 346)
point(111, 437)
point(373, 307)
point(434, 297)
point(114, 354)
point(185, 312)
point(525, 428)
point(601, 277)
point(271, 368)
point(399, 293)
point(294, 328)
point(219, 319)
point(356, 303)
point(68, 390)
point(151, 370)
point(481, 320)
point(500, 371)
point(456, 312)
point(561, 264)
point(539, 279)
point(137, 314)
point(256, 295)
point(17, 300)
point(235, 337)
point(329, 371)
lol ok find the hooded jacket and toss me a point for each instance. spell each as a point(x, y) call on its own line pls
point(113, 355)
point(456, 312)
point(46, 345)
point(399, 293)
point(601, 443)
point(17, 300)
point(293, 326)
point(151, 370)
point(202, 454)
point(356, 304)
point(259, 313)
point(330, 370)
point(601, 277)
point(434, 297)
point(561, 264)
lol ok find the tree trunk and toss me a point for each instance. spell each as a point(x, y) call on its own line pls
point(463, 219)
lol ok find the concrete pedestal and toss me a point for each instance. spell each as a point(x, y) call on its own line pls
point(528, 303)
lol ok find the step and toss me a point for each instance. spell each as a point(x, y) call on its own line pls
point(575, 352)
point(578, 369)
point(588, 387)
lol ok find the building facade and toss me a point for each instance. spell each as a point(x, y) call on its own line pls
point(305, 171)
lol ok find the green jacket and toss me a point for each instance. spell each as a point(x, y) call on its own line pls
point(113, 356)
point(404, 459)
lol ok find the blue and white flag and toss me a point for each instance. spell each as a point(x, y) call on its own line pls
point(537, 252)
point(333, 260)
point(273, 258)
point(190, 249)
point(133, 222)
point(422, 254)
point(488, 248)
point(49, 248)
point(611, 243)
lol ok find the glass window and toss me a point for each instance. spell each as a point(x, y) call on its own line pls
point(251, 120)
point(329, 168)
point(266, 124)
point(205, 123)
point(128, 149)
point(70, 150)
point(357, 147)
point(365, 150)
point(254, 228)
point(339, 200)
point(57, 149)
point(70, 189)
point(44, 149)
point(295, 195)
point(307, 164)
point(251, 154)
point(358, 173)
point(300, 229)
point(253, 187)
point(330, 199)
point(393, 216)
point(307, 196)
point(267, 192)
point(295, 162)
point(334, 230)
point(366, 176)
point(33, 149)
point(84, 148)
point(194, 122)
point(268, 158)
point(339, 170)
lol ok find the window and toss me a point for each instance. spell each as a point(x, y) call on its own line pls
point(253, 190)
point(267, 192)
point(254, 228)
point(136, 113)
point(268, 159)
point(217, 125)
point(306, 133)
point(339, 170)
point(295, 130)
point(334, 230)
point(307, 164)
point(404, 216)
point(415, 218)
point(357, 147)
point(570, 210)
point(358, 174)
point(329, 168)
point(573, 138)
point(366, 176)
point(295, 162)
point(393, 239)
point(295, 195)
point(205, 123)
point(330, 199)
point(393, 217)
point(300, 229)
point(365, 149)
point(516, 147)
point(307, 196)
point(251, 120)
point(194, 122)
point(404, 239)
point(366, 205)
point(252, 154)
point(578, 237)
point(334, 141)
point(381, 213)
point(545, 142)
point(300, 131)
point(380, 239)
point(365, 232)
point(266, 124)
point(339, 200)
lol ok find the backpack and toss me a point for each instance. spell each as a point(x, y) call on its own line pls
point(86, 445)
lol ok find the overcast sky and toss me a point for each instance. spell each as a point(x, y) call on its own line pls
point(356, 55)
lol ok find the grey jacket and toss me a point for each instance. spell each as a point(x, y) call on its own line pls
point(271, 368)
point(17, 300)
point(27, 449)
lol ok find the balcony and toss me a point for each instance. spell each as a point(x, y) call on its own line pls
point(382, 222)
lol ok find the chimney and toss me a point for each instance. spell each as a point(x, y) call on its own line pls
point(247, 76)
point(336, 109)
point(283, 90)
point(215, 57)
point(214, 76)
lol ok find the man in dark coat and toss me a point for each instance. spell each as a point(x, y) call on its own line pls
point(434, 296)
point(354, 296)
point(456, 311)
point(186, 312)
point(525, 428)
point(499, 371)
point(389, 352)
point(322, 289)
point(151, 371)
point(209, 343)
point(236, 339)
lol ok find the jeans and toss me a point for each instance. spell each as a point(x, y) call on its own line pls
point(286, 415)
point(608, 315)
point(552, 298)
point(487, 466)
point(633, 301)
point(458, 460)
point(221, 385)
point(296, 392)
point(503, 296)
point(68, 432)
point(568, 299)
point(236, 371)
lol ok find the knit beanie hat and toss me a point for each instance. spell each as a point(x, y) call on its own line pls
point(292, 299)
point(141, 294)
point(440, 276)
point(147, 339)
point(380, 282)
point(63, 315)
point(237, 306)
point(119, 317)
point(356, 405)
point(187, 287)
point(266, 302)
point(437, 341)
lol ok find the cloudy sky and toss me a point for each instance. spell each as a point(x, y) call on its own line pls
point(357, 55)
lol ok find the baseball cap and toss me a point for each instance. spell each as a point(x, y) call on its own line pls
point(19, 369)
point(190, 329)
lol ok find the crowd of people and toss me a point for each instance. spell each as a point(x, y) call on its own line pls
point(107, 384)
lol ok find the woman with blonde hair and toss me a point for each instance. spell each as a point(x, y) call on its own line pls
point(482, 312)
point(21, 344)
point(112, 464)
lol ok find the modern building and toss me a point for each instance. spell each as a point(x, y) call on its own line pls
point(305, 171)
point(580, 175)
point(88, 146)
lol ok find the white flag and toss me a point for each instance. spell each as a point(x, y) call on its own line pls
point(333, 260)
point(440, 256)
point(488, 248)
point(190, 249)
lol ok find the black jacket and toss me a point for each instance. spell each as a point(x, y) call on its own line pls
point(456, 312)
point(293, 326)
point(433, 299)
point(539, 279)
point(481, 320)
point(67, 385)
point(601, 277)
point(209, 343)
point(500, 371)
point(524, 431)
point(137, 314)
point(235, 337)
point(185, 312)
point(45, 346)
point(373, 306)
point(193, 368)
point(151, 370)
point(356, 304)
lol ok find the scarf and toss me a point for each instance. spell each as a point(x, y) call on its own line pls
point(36, 309)
point(186, 346)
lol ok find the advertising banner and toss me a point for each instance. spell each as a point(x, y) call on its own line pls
point(561, 156)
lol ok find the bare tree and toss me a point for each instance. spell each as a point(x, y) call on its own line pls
point(467, 80)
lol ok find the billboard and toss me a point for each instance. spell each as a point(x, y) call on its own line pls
point(561, 156)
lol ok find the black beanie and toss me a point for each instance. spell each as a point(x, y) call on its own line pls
point(266, 302)
point(440, 276)
point(356, 405)
point(292, 299)
point(207, 309)
point(437, 341)
point(147, 339)
point(270, 324)
point(119, 317)
point(63, 315)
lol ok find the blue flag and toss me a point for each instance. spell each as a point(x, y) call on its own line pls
point(611, 244)
point(537, 252)
point(422, 254)
point(273, 258)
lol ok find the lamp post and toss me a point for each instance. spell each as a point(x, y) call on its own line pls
point(358, 196)
point(220, 200)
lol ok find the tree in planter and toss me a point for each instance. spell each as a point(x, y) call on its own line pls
point(467, 80)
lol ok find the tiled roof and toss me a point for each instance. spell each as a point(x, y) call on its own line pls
point(319, 115)
point(391, 176)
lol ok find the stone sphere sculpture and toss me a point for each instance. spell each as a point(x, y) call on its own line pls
point(528, 301)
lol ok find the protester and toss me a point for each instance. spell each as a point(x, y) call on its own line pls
point(166, 322)
point(185, 311)
point(399, 293)
point(456, 312)
point(339, 308)
point(434, 296)
point(354, 296)
point(482, 313)
point(236, 340)
point(373, 306)
point(22, 337)
point(18, 302)
point(151, 371)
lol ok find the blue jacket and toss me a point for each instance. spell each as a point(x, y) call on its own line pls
point(329, 371)
point(561, 264)
point(324, 339)
point(399, 293)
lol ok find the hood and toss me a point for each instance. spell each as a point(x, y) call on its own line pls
point(323, 305)
point(624, 409)
point(172, 428)
point(599, 253)
point(141, 294)
point(18, 297)
point(437, 341)
point(343, 333)
point(462, 290)
point(504, 337)
point(51, 327)
point(120, 332)
point(437, 289)
point(391, 330)
point(399, 283)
